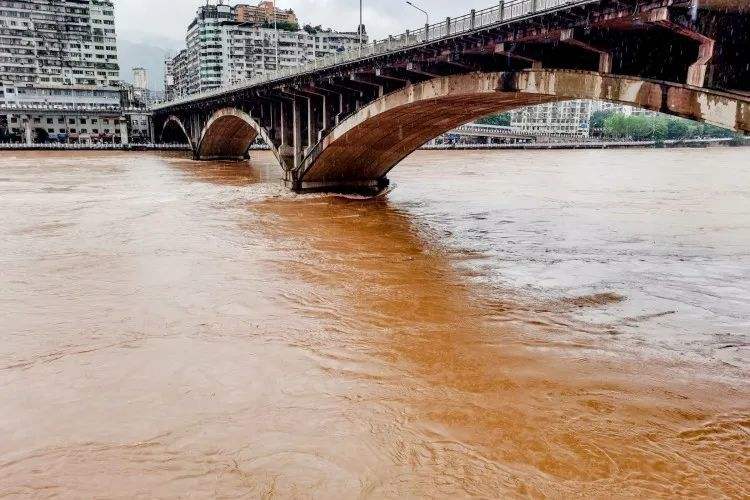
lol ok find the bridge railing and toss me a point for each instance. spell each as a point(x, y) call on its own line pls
point(503, 11)
point(70, 108)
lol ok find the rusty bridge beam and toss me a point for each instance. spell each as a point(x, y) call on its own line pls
point(605, 57)
point(513, 51)
point(697, 71)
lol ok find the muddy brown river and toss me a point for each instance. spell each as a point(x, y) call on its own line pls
point(502, 324)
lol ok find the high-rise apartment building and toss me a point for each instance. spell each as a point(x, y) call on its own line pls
point(59, 56)
point(58, 42)
point(176, 75)
point(570, 118)
point(230, 44)
point(140, 78)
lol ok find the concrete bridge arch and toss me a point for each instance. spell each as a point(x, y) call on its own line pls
point(360, 151)
point(173, 130)
point(228, 134)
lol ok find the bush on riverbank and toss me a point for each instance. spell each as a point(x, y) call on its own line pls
point(653, 128)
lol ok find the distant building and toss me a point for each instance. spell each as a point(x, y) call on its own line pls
point(568, 118)
point(263, 13)
point(58, 43)
point(140, 78)
point(620, 108)
point(176, 76)
point(134, 97)
point(227, 45)
point(59, 56)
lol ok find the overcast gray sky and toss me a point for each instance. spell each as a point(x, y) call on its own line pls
point(169, 18)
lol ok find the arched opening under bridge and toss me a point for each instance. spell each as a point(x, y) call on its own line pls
point(174, 132)
point(228, 134)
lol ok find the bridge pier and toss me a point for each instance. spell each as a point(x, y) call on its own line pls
point(297, 131)
point(124, 139)
point(27, 132)
point(286, 134)
point(363, 187)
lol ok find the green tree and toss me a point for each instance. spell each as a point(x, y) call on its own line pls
point(711, 131)
point(615, 125)
point(650, 128)
point(639, 128)
point(312, 29)
point(282, 25)
point(598, 118)
point(678, 129)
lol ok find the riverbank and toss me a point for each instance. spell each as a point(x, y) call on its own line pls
point(93, 147)
point(691, 143)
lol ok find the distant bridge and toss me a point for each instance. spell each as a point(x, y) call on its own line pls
point(343, 122)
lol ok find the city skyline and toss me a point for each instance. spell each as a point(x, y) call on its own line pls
point(227, 44)
point(147, 40)
point(167, 20)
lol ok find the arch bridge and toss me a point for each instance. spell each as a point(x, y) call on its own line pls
point(342, 123)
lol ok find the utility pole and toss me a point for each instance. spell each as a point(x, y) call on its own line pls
point(276, 30)
point(361, 29)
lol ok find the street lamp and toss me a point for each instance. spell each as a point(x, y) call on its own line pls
point(427, 15)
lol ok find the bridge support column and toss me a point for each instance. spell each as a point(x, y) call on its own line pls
point(283, 137)
point(297, 131)
point(349, 98)
point(124, 139)
point(697, 71)
point(27, 132)
point(151, 130)
point(331, 106)
point(312, 122)
point(286, 133)
point(341, 108)
point(326, 115)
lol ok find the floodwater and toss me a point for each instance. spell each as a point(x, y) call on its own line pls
point(502, 324)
